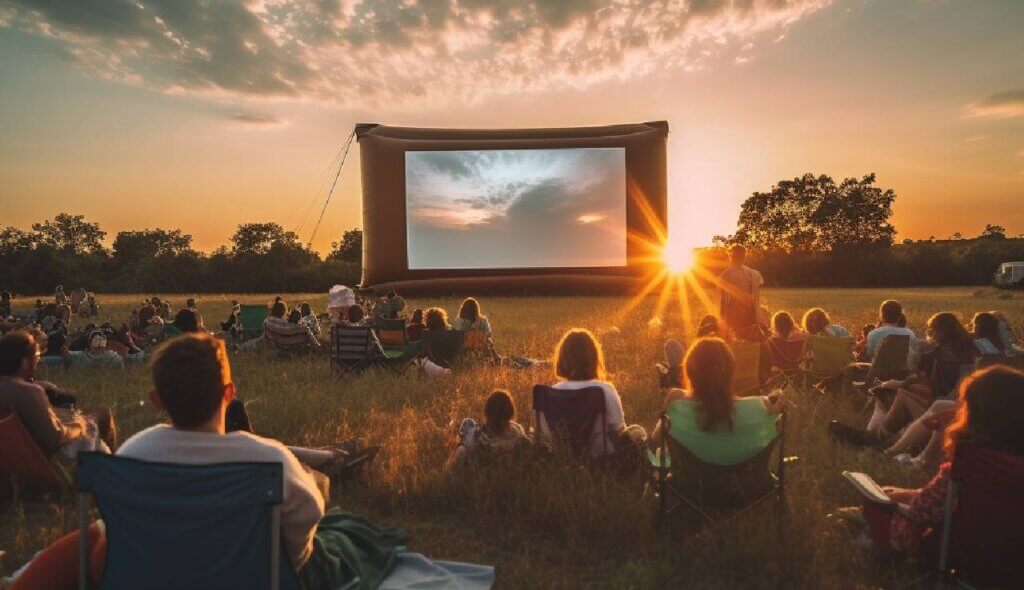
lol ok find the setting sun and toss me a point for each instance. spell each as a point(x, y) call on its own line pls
point(677, 257)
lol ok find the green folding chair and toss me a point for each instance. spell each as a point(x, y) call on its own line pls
point(828, 358)
point(252, 318)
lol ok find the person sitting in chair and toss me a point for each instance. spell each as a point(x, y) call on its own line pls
point(192, 384)
point(988, 337)
point(579, 363)
point(991, 412)
point(890, 317)
point(435, 318)
point(64, 430)
point(414, 329)
point(817, 323)
point(308, 318)
point(391, 305)
point(708, 419)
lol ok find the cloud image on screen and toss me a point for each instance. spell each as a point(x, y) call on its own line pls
point(533, 208)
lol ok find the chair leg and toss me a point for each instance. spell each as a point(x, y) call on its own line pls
point(83, 541)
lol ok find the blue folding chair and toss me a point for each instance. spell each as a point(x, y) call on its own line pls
point(174, 526)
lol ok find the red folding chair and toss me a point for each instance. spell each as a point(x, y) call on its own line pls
point(22, 460)
point(982, 533)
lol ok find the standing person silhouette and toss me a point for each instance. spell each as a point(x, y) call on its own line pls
point(740, 290)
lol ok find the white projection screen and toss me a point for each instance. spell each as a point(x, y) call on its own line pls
point(516, 208)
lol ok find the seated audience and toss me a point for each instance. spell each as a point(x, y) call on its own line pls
point(414, 329)
point(817, 323)
point(471, 318)
point(294, 316)
point(58, 295)
point(435, 318)
point(670, 372)
point(991, 412)
point(59, 431)
point(708, 419)
point(308, 318)
point(499, 434)
point(391, 305)
point(890, 318)
point(784, 328)
point(579, 363)
point(56, 353)
point(786, 344)
point(192, 383)
point(899, 403)
point(355, 316)
point(1010, 339)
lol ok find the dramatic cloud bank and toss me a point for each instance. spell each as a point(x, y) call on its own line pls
point(393, 51)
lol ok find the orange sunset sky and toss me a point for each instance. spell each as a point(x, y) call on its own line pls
point(201, 116)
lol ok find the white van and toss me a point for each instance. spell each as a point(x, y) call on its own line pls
point(1010, 275)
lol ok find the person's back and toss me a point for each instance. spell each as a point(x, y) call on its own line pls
point(740, 293)
point(753, 428)
point(890, 316)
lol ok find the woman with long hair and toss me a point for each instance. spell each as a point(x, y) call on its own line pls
point(708, 419)
point(414, 329)
point(579, 363)
point(471, 317)
point(435, 318)
point(990, 412)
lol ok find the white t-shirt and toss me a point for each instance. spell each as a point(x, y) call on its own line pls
point(876, 336)
point(614, 418)
point(480, 324)
point(303, 506)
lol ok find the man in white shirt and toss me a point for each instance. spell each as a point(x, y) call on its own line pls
point(740, 290)
point(890, 315)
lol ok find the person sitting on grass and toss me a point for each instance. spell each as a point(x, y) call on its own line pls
point(991, 412)
point(97, 354)
point(987, 337)
point(435, 318)
point(670, 372)
point(816, 322)
point(499, 434)
point(471, 318)
point(62, 431)
point(709, 328)
point(308, 318)
point(708, 419)
point(579, 363)
point(414, 329)
point(192, 384)
point(294, 316)
point(391, 305)
point(187, 320)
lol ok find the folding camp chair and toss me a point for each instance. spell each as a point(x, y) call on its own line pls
point(23, 461)
point(828, 358)
point(718, 493)
point(252, 318)
point(391, 332)
point(173, 526)
point(570, 416)
point(982, 532)
point(747, 378)
point(443, 347)
point(787, 360)
point(289, 337)
point(351, 348)
point(890, 362)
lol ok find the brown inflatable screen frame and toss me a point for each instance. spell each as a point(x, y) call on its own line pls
point(385, 255)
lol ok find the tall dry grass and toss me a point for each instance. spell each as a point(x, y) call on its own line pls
point(542, 524)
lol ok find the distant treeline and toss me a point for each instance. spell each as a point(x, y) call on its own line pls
point(262, 258)
point(922, 263)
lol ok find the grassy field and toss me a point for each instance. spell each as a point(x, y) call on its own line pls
point(542, 527)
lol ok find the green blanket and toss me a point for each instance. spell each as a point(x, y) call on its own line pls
point(350, 548)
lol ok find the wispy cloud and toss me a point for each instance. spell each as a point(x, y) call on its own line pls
point(1001, 105)
point(251, 119)
point(375, 51)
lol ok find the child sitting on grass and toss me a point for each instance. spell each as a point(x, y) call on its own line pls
point(499, 434)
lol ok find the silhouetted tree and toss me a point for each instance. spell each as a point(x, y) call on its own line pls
point(350, 248)
point(259, 238)
point(814, 214)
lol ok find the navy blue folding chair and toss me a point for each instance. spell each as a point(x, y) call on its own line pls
point(174, 526)
point(571, 416)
